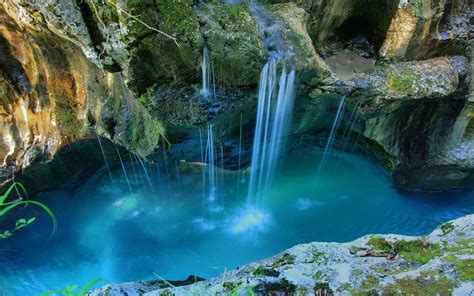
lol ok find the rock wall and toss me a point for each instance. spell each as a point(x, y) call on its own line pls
point(53, 95)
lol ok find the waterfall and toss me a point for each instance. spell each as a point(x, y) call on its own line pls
point(210, 158)
point(275, 106)
point(124, 171)
point(105, 159)
point(207, 75)
point(332, 134)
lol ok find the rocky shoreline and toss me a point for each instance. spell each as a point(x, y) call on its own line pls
point(441, 263)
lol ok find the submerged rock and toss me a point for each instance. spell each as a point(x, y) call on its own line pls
point(437, 264)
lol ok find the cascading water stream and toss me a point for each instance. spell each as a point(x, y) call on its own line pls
point(275, 105)
point(210, 159)
point(106, 161)
point(332, 134)
point(207, 76)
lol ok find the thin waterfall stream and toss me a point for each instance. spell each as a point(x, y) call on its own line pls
point(276, 96)
point(332, 134)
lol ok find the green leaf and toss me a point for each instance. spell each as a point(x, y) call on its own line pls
point(20, 222)
point(14, 185)
point(72, 288)
point(89, 286)
point(9, 207)
point(31, 220)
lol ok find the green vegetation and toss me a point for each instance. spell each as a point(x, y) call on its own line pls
point(323, 289)
point(262, 271)
point(462, 247)
point(402, 79)
point(430, 283)
point(7, 206)
point(369, 284)
point(447, 228)
point(418, 250)
point(466, 269)
point(67, 119)
point(285, 259)
point(231, 286)
point(71, 290)
point(413, 251)
point(283, 286)
point(422, 7)
point(380, 244)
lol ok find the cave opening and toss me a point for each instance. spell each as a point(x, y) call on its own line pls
point(358, 32)
point(360, 26)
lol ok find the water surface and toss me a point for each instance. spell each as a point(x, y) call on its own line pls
point(172, 229)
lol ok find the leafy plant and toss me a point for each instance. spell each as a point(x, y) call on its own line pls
point(7, 206)
point(71, 289)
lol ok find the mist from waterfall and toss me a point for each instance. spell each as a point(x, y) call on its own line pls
point(275, 105)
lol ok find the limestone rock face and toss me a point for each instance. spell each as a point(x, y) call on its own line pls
point(52, 95)
point(426, 29)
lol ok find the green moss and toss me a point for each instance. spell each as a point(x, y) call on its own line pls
point(231, 286)
point(166, 292)
point(368, 286)
point(451, 258)
point(301, 291)
point(261, 271)
point(425, 284)
point(345, 287)
point(66, 118)
point(284, 286)
point(380, 244)
point(421, 7)
point(319, 275)
point(234, 44)
point(155, 58)
point(319, 257)
point(417, 250)
point(447, 228)
point(402, 79)
point(466, 269)
point(284, 259)
point(465, 246)
point(358, 272)
point(413, 251)
point(323, 289)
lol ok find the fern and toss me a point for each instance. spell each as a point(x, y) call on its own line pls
point(7, 207)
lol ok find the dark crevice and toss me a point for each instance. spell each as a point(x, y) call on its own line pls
point(13, 69)
point(95, 35)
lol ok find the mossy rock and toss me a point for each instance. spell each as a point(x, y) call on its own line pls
point(466, 269)
point(155, 58)
point(418, 250)
point(447, 228)
point(261, 271)
point(428, 283)
point(234, 43)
